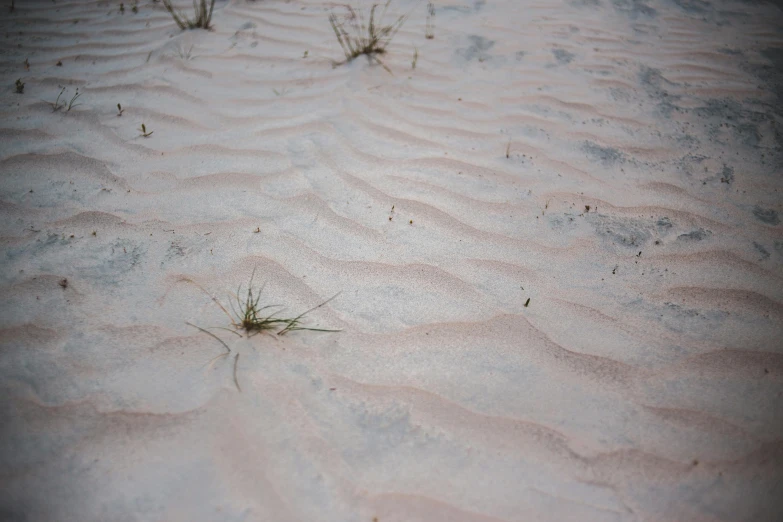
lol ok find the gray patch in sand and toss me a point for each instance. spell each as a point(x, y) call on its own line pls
point(766, 215)
point(680, 319)
point(696, 235)
point(727, 175)
point(477, 50)
point(628, 234)
point(664, 224)
point(562, 56)
point(85, 257)
point(745, 125)
point(697, 7)
point(772, 74)
point(761, 250)
point(607, 155)
point(634, 8)
point(656, 86)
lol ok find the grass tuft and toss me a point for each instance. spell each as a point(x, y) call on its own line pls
point(357, 38)
point(253, 319)
point(202, 11)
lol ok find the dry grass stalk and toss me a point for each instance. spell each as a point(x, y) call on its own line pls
point(203, 14)
point(357, 38)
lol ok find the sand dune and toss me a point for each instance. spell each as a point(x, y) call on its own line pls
point(557, 244)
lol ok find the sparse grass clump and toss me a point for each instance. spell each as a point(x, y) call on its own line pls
point(253, 318)
point(19, 86)
point(203, 14)
point(357, 38)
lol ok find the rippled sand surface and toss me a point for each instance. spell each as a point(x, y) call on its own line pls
point(557, 242)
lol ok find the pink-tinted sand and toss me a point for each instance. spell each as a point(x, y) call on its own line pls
point(616, 163)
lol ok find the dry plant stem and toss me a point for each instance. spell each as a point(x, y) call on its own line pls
point(228, 350)
point(293, 324)
point(236, 381)
point(71, 105)
point(429, 31)
point(203, 14)
point(56, 105)
point(364, 39)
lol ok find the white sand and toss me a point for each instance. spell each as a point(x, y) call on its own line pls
point(642, 382)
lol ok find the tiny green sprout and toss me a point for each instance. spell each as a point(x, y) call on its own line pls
point(120, 110)
point(122, 8)
point(135, 9)
point(305, 54)
point(19, 86)
point(144, 132)
point(94, 232)
point(527, 302)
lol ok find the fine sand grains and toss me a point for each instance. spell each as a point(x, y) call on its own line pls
point(554, 227)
